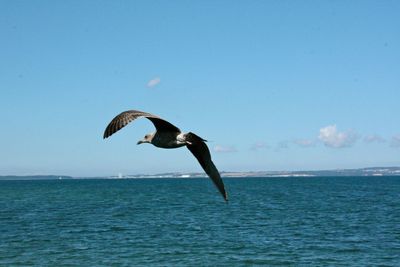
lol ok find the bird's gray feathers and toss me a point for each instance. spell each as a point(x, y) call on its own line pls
point(126, 117)
point(200, 150)
point(168, 133)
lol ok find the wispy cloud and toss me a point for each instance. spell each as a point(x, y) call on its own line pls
point(153, 82)
point(331, 137)
point(282, 145)
point(224, 149)
point(258, 146)
point(395, 142)
point(304, 142)
point(374, 138)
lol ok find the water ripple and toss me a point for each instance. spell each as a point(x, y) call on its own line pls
point(346, 221)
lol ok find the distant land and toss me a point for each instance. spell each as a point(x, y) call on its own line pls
point(35, 177)
point(372, 171)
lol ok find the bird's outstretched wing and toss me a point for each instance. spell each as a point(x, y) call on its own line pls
point(200, 150)
point(126, 117)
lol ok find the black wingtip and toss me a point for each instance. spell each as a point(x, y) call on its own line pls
point(106, 134)
point(226, 197)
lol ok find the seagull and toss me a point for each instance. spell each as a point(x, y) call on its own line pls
point(168, 136)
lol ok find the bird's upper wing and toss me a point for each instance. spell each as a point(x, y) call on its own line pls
point(126, 117)
point(200, 150)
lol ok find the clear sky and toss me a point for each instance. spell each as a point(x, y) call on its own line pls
point(274, 85)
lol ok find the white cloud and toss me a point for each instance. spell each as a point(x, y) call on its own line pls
point(332, 138)
point(153, 82)
point(304, 142)
point(224, 149)
point(395, 141)
point(258, 146)
point(374, 138)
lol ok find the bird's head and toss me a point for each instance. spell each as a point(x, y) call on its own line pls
point(147, 139)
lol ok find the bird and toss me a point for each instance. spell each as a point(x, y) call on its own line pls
point(169, 136)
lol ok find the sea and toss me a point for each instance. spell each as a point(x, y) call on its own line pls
point(292, 221)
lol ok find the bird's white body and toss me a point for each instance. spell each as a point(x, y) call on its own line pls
point(168, 139)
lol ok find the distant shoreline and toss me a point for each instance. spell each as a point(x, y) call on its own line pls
point(362, 172)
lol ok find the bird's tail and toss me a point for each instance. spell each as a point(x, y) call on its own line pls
point(195, 137)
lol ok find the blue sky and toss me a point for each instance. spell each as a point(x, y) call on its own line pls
point(274, 85)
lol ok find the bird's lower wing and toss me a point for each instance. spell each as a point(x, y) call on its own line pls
point(126, 117)
point(200, 150)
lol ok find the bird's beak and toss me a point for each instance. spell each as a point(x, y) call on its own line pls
point(140, 142)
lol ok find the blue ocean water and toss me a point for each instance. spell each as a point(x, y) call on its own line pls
point(330, 221)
